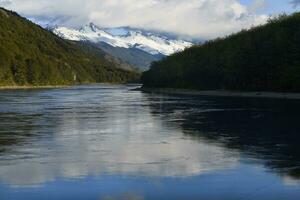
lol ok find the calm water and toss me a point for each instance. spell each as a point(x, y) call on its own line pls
point(109, 142)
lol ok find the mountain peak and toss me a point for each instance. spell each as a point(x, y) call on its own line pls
point(93, 27)
point(124, 37)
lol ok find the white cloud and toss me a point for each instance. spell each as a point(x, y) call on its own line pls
point(196, 18)
point(4, 3)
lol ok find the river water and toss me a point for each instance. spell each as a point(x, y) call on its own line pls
point(111, 142)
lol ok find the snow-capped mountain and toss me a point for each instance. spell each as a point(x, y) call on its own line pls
point(124, 37)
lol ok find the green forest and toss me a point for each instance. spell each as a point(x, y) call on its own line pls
point(33, 56)
point(263, 58)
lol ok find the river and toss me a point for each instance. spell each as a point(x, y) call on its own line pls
point(111, 142)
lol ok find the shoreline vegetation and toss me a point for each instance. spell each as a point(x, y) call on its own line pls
point(25, 87)
point(222, 93)
point(263, 58)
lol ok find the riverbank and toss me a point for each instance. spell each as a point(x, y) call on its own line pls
point(32, 87)
point(222, 93)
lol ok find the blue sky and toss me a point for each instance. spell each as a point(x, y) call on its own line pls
point(274, 6)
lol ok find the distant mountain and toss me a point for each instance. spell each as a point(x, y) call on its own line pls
point(33, 56)
point(137, 47)
point(264, 58)
point(136, 57)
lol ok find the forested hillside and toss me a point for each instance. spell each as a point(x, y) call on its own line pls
point(30, 55)
point(264, 58)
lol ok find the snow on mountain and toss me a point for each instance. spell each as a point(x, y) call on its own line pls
point(124, 37)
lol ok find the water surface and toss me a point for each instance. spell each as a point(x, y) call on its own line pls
point(110, 142)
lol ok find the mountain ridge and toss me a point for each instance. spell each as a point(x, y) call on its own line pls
point(125, 37)
point(31, 55)
point(137, 47)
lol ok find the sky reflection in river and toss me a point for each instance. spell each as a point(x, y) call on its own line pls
point(78, 135)
point(101, 134)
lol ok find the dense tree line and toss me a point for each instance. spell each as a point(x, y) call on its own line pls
point(31, 55)
point(264, 58)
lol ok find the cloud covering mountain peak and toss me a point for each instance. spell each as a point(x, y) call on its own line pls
point(195, 18)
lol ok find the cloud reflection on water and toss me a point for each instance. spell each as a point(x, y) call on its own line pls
point(98, 133)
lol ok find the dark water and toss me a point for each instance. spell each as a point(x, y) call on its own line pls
point(108, 142)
